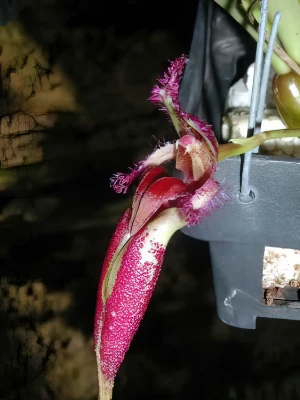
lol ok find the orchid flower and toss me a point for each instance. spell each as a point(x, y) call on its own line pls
point(161, 205)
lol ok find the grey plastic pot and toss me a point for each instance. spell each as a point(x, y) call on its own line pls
point(238, 233)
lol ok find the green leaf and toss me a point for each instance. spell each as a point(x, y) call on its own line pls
point(237, 10)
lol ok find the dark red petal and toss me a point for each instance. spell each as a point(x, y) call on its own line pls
point(127, 304)
point(159, 194)
point(136, 279)
point(118, 236)
point(150, 176)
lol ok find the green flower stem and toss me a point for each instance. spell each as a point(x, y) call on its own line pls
point(240, 146)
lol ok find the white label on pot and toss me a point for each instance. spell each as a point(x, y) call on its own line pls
point(281, 267)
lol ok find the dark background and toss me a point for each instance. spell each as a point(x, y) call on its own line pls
point(62, 214)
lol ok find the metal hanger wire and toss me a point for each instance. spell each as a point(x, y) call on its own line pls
point(259, 89)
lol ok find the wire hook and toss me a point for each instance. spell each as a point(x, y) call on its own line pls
point(260, 81)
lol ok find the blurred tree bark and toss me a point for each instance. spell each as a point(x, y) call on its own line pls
point(33, 90)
